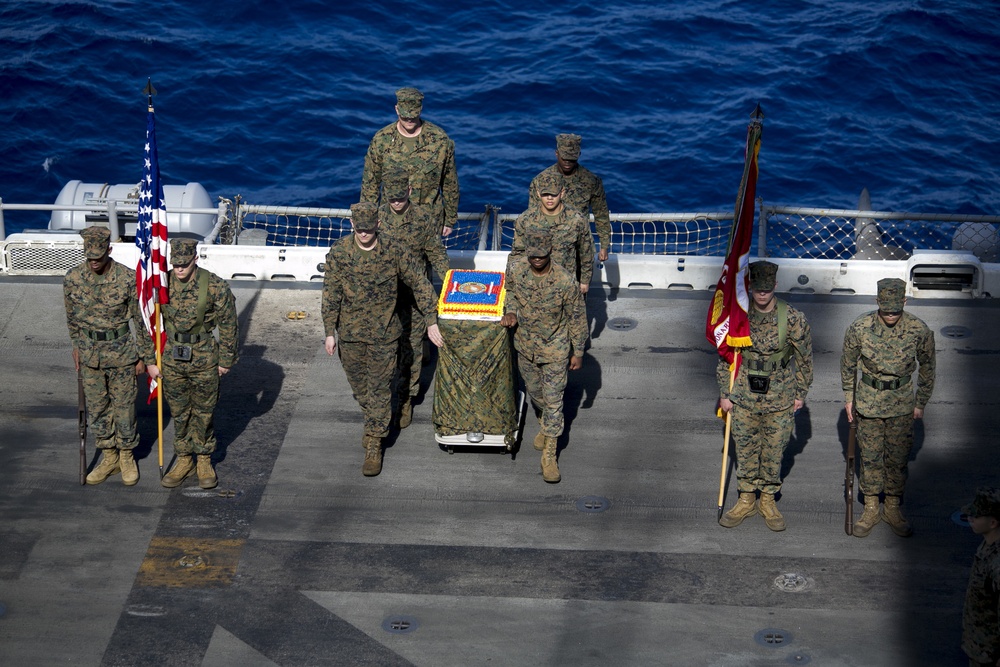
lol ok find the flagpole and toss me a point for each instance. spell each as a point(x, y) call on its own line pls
point(728, 326)
point(725, 439)
point(159, 387)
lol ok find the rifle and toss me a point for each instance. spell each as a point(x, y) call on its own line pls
point(852, 442)
point(81, 403)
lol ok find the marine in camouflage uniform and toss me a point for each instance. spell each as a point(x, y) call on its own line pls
point(101, 300)
point(572, 244)
point(887, 344)
point(360, 293)
point(415, 231)
point(194, 361)
point(981, 614)
point(421, 149)
point(767, 392)
point(545, 304)
point(584, 189)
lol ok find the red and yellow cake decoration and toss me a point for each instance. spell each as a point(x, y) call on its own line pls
point(472, 295)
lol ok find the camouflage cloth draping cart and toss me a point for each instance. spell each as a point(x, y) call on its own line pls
point(475, 390)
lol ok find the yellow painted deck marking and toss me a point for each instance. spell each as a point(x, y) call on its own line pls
point(184, 562)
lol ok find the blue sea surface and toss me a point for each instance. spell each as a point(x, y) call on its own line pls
point(277, 101)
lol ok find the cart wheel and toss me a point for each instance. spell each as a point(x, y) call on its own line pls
point(451, 450)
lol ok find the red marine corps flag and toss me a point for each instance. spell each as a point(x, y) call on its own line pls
point(728, 326)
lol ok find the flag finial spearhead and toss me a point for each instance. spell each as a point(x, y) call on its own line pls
point(149, 91)
point(758, 113)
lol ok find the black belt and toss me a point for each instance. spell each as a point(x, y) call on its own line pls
point(882, 385)
point(189, 338)
point(106, 335)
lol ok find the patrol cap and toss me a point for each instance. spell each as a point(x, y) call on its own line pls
point(986, 503)
point(96, 241)
point(568, 146)
point(537, 243)
point(550, 182)
point(396, 184)
point(409, 102)
point(364, 216)
point(763, 275)
point(182, 251)
point(891, 294)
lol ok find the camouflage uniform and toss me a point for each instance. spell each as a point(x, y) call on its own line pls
point(417, 233)
point(551, 327)
point(99, 309)
point(888, 356)
point(572, 244)
point(428, 158)
point(762, 422)
point(981, 613)
point(584, 189)
point(192, 387)
point(360, 293)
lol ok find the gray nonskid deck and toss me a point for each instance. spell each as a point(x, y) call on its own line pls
point(471, 558)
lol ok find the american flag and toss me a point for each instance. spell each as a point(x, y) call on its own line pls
point(151, 239)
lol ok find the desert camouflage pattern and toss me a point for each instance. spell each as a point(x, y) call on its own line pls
point(888, 353)
point(191, 388)
point(428, 159)
point(107, 303)
point(762, 423)
point(572, 244)
point(474, 386)
point(981, 614)
point(584, 192)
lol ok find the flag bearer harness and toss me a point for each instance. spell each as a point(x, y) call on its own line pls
point(200, 331)
point(759, 370)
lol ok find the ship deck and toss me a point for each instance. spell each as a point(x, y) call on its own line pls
point(471, 558)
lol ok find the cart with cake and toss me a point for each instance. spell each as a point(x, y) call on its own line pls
point(476, 397)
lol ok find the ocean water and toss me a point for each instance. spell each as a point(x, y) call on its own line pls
point(277, 101)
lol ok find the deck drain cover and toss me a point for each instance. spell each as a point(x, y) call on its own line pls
point(798, 659)
point(956, 331)
point(959, 518)
point(400, 625)
point(593, 504)
point(773, 637)
point(791, 582)
point(621, 323)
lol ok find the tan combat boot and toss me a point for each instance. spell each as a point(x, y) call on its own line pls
point(206, 473)
point(130, 471)
point(868, 518)
point(893, 516)
point(108, 466)
point(539, 443)
point(744, 507)
point(550, 469)
point(772, 517)
point(373, 456)
point(183, 468)
point(405, 411)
